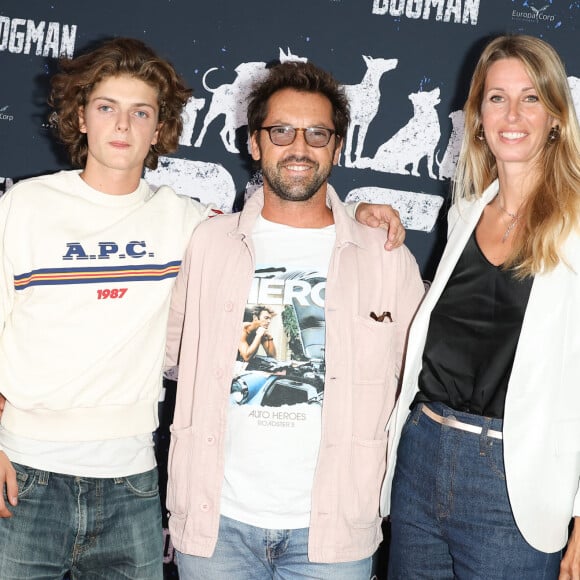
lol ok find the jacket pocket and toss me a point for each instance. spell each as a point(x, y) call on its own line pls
point(179, 468)
point(373, 347)
point(367, 473)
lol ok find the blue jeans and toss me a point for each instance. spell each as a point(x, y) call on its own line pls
point(244, 552)
point(450, 514)
point(93, 528)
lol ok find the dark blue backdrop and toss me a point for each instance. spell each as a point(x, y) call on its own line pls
point(406, 63)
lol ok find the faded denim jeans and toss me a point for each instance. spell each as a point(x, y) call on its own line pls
point(93, 528)
point(245, 552)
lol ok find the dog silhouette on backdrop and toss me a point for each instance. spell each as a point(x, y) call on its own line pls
point(289, 57)
point(231, 100)
point(416, 140)
point(574, 83)
point(204, 181)
point(451, 155)
point(418, 211)
point(364, 100)
point(189, 117)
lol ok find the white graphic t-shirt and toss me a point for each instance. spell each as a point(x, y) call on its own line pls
point(277, 389)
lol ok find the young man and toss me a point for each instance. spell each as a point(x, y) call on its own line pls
point(88, 261)
point(277, 475)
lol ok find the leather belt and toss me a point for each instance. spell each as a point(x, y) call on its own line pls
point(455, 424)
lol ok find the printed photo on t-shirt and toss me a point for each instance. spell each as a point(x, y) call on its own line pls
point(280, 360)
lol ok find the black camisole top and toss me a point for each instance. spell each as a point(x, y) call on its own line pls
point(473, 334)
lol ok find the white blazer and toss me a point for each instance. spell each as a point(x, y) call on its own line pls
point(541, 428)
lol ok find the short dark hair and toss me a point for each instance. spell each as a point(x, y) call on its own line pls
point(258, 309)
point(72, 86)
point(304, 77)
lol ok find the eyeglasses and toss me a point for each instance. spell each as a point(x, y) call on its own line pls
point(286, 134)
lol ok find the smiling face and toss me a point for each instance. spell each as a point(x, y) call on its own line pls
point(516, 124)
point(120, 120)
point(296, 172)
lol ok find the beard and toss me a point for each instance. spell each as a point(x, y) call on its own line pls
point(295, 188)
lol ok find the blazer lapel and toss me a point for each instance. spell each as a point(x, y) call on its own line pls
point(463, 219)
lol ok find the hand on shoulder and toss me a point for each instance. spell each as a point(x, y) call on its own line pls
point(385, 216)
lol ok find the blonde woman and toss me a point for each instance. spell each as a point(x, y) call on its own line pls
point(488, 462)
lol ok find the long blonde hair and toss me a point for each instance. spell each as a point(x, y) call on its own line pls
point(552, 209)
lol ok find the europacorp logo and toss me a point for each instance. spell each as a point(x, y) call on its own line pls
point(538, 12)
point(5, 114)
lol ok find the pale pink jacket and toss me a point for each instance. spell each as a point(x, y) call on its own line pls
point(363, 360)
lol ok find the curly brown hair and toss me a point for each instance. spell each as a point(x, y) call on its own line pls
point(72, 86)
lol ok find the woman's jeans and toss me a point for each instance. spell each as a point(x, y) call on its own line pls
point(450, 514)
